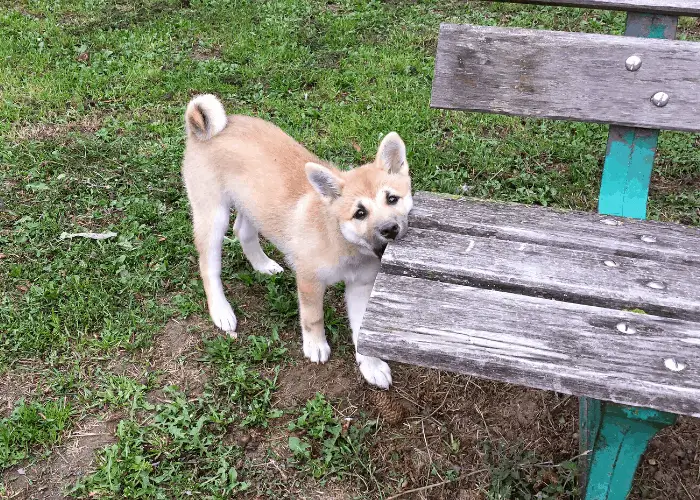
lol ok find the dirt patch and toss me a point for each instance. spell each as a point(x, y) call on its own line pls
point(48, 131)
point(174, 355)
point(671, 464)
point(20, 383)
point(336, 379)
point(203, 53)
point(47, 479)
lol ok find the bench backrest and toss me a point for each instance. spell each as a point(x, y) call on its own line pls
point(627, 81)
point(671, 7)
point(639, 83)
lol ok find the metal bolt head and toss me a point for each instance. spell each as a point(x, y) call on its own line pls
point(633, 63)
point(660, 99)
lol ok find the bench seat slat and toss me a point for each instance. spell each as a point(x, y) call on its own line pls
point(570, 76)
point(675, 7)
point(652, 240)
point(571, 275)
point(540, 343)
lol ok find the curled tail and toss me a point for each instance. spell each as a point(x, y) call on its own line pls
point(205, 117)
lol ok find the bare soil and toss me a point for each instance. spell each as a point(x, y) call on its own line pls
point(22, 383)
point(88, 124)
point(174, 356)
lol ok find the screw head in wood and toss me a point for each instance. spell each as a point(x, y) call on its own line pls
point(623, 327)
point(656, 285)
point(633, 63)
point(673, 365)
point(660, 99)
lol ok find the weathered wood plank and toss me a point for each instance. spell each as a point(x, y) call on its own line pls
point(571, 275)
point(570, 76)
point(675, 7)
point(650, 240)
point(575, 349)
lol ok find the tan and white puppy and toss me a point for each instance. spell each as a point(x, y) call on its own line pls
point(332, 225)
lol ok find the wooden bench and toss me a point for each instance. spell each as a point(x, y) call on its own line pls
point(553, 299)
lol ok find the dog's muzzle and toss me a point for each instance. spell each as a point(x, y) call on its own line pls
point(389, 231)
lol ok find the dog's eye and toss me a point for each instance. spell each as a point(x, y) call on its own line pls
point(360, 213)
point(392, 199)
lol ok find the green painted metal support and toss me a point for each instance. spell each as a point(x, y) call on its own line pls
point(627, 171)
point(620, 436)
point(630, 153)
point(589, 415)
point(613, 437)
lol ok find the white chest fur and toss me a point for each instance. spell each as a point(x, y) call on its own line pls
point(357, 269)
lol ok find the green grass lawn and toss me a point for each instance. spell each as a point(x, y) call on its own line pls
point(106, 347)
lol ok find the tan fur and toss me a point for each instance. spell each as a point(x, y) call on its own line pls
point(267, 176)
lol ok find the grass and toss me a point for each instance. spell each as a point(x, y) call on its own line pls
point(31, 426)
point(92, 99)
point(328, 447)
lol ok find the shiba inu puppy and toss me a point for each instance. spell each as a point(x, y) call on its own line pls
point(331, 225)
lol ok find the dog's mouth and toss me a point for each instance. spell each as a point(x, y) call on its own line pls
point(379, 250)
point(381, 243)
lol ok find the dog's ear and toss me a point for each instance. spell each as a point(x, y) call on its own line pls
point(391, 155)
point(324, 181)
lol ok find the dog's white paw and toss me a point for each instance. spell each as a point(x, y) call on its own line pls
point(223, 316)
point(268, 267)
point(317, 351)
point(375, 371)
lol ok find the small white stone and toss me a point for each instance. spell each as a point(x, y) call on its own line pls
point(623, 327)
point(648, 239)
point(611, 263)
point(673, 365)
point(611, 222)
point(21, 472)
point(656, 285)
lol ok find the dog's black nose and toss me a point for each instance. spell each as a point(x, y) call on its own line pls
point(390, 230)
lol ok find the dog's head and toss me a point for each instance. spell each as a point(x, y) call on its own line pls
point(371, 202)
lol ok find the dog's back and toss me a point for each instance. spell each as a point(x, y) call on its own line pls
point(252, 162)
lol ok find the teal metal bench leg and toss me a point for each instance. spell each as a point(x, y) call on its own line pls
point(614, 438)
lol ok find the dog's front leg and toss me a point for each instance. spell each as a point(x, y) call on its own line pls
point(375, 371)
point(311, 292)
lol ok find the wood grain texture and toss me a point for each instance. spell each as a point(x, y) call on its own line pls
point(540, 343)
point(648, 240)
point(570, 76)
point(675, 7)
point(564, 274)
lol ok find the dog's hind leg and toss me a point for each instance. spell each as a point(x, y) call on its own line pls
point(210, 218)
point(250, 243)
